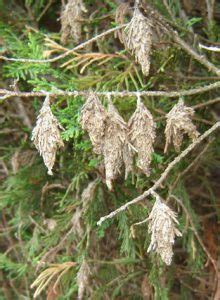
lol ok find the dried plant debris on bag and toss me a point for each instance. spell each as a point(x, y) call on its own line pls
point(179, 122)
point(162, 227)
point(114, 140)
point(142, 135)
point(139, 39)
point(93, 117)
point(46, 135)
point(71, 21)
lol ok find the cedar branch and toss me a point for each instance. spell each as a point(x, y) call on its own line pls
point(171, 94)
point(68, 52)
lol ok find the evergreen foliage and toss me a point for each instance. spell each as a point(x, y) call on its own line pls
point(39, 213)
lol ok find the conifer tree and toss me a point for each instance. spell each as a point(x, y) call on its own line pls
point(119, 102)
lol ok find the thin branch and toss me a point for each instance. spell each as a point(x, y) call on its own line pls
point(49, 255)
point(211, 48)
point(22, 112)
point(132, 229)
point(210, 4)
point(158, 183)
point(210, 102)
point(196, 233)
point(141, 222)
point(175, 36)
point(192, 52)
point(194, 78)
point(8, 94)
point(204, 121)
point(185, 171)
point(50, 2)
point(63, 55)
point(169, 10)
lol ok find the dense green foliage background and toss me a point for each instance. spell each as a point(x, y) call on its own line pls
point(37, 210)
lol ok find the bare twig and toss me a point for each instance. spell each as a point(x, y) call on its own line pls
point(204, 121)
point(185, 171)
point(217, 292)
point(171, 94)
point(211, 48)
point(169, 10)
point(22, 112)
point(210, 4)
point(63, 55)
point(209, 102)
point(50, 2)
point(176, 37)
point(141, 222)
point(194, 78)
point(196, 233)
point(158, 183)
point(200, 58)
point(50, 255)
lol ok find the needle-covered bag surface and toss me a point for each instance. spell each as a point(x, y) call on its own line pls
point(46, 135)
point(114, 141)
point(138, 39)
point(162, 227)
point(179, 122)
point(142, 135)
point(93, 118)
